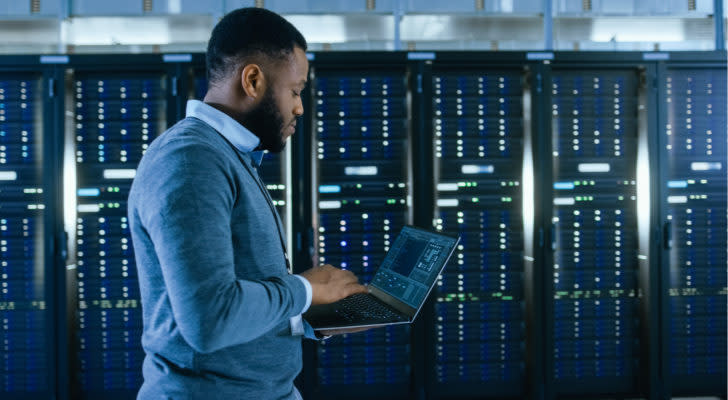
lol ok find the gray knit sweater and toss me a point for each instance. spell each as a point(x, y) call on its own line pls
point(216, 296)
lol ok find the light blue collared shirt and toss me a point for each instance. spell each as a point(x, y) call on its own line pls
point(246, 142)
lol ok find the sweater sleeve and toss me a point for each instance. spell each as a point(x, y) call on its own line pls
point(188, 201)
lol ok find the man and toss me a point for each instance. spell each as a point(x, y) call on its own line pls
point(222, 314)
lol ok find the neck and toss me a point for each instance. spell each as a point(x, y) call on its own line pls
point(226, 102)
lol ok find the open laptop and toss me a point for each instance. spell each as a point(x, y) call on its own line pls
point(399, 288)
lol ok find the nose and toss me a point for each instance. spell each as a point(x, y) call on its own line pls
point(298, 109)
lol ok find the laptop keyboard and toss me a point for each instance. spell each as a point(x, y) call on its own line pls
point(362, 306)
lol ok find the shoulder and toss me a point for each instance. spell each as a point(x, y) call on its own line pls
point(189, 150)
point(185, 141)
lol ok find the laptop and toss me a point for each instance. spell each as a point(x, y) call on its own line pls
point(398, 289)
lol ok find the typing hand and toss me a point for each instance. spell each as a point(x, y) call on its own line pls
point(332, 284)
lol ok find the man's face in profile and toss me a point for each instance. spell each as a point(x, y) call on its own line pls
point(274, 119)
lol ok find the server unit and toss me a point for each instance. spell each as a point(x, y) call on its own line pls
point(26, 318)
point(116, 115)
point(361, 178)
point(595, 292)
point(693, 142)
point(478, 147)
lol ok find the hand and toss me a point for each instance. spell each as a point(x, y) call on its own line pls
point(332, 284)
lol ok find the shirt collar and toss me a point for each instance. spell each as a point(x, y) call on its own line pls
point(243, 139)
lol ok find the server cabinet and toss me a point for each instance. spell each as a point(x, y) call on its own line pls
point(114, 111)
point(361, 184)
point(693, 193)
point(594, 292)
point(27, 231)
point(480, 118)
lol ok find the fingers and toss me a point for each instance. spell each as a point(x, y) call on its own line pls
point(355, 288)
point(331, 284)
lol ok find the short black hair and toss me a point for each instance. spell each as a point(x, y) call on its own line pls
point(247, 32)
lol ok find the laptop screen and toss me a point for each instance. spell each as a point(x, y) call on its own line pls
point(412, 265)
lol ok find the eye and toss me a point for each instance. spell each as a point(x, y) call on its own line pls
point(295, 93)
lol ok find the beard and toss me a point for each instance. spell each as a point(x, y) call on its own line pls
point(266, 122)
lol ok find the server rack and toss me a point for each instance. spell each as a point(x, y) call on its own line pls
point(361, 179)
point(28, 228)
point(692, 138)
point(595, 291)
point(480, 119)
point(680, 303)
point(115, 110)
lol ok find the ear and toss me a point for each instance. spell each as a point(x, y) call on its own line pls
point(253, 80)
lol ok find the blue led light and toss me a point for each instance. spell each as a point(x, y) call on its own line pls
point(88, 192)
point(563, 185)
point(343, 243)
point(677, 184)
point(329, 189)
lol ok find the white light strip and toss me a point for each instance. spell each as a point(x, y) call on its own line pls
point(8, 175)
point(330, 204)
point(447, 187)
point(677, 199)
point(477, 169)
point(119, 173)
point(447, 202)
point(706, 166)
point(370, 170)
point(88, 208)
point(564, 201)
point(594, 167)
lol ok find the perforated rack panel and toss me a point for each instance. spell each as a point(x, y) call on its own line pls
point(695, 142)
point(478, 148)
point(595, 328)
point(24, 318)
point(116, 116)
point(360, 150)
